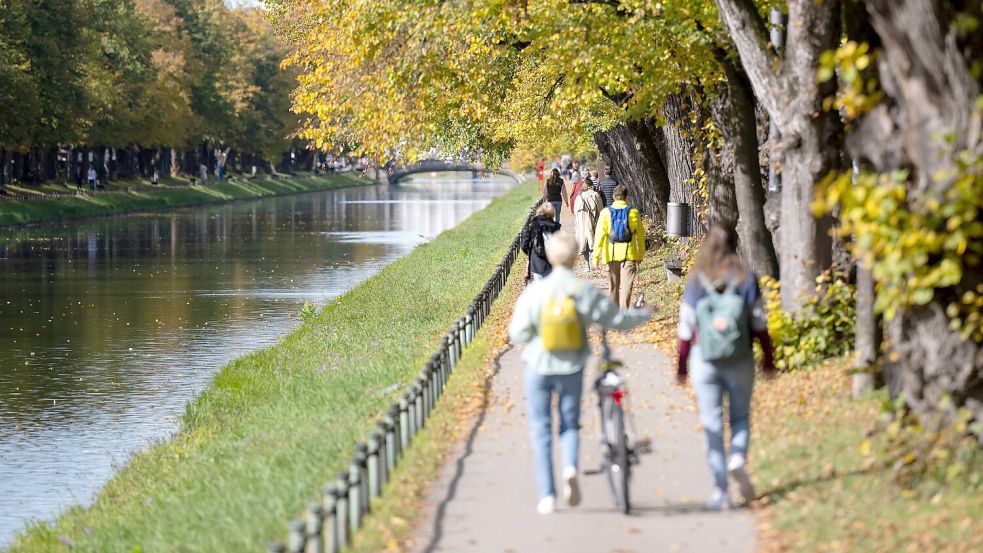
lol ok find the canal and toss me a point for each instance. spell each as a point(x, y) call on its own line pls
point(109, 326)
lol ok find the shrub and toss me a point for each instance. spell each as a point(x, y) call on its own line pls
point(824, 328)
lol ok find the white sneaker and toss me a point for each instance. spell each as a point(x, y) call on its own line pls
point(571, 488)
point(719, 501)
point(738, 471)
point(546, 505)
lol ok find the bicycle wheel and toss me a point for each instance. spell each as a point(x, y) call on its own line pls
point(618, 466)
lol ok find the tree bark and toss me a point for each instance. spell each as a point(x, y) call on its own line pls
point(678, 151)
point(636, 164)
point(735, 116)
point(929, 117)
point(811, 136)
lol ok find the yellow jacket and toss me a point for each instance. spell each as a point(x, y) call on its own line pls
point(606, 251)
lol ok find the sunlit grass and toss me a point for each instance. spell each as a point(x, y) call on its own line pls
point(273, 427)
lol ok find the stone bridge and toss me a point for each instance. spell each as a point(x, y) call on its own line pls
point(399, 172)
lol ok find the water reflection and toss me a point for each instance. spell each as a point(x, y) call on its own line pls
point(108, 327)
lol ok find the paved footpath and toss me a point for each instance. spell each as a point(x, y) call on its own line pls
point(485, 500)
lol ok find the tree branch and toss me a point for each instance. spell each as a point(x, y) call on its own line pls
point(619, 99)
point(748, 32)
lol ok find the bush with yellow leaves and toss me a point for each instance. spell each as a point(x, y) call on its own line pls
point(823, 329)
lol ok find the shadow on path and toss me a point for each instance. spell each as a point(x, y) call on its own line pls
point(438, 524)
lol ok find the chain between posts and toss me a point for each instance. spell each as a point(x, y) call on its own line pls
point(327, 526)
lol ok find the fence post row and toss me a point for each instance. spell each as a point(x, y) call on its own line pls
point(328, 526)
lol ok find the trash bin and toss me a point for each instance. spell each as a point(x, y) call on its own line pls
point(677, 219)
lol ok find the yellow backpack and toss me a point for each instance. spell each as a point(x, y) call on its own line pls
point(559, 325)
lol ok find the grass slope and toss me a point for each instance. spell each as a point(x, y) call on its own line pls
point(149, 198)
point(822, 493)
point(275, 425)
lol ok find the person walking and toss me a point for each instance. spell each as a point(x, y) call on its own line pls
point(92, 177)
point(619, 242)
point(78, 178)
point(536, 238)
point(551, 318)
point(556, 193)
point(587, 208)
point(721, 312)
point(607, 185)
point(577, 184)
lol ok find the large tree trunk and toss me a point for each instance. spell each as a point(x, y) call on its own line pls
point(811, 135)
point(735, 116)
point(678, 148)
point(931, 116)
point(636, 164)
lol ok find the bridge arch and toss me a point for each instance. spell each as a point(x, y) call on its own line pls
point(398, 173)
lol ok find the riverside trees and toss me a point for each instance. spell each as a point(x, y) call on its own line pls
point(677, 94)
point(136, 82)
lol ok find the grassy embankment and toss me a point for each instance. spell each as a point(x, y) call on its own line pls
point(819, 489)
point(274, 426)
point(143, 197)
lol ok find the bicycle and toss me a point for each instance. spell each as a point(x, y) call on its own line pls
point(619, 449)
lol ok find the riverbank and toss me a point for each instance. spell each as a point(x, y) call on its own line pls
point(134, 197)
point(276, 425)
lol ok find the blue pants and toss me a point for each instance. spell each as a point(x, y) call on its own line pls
point(556, 208)
point(710, 381)
point(539, 390)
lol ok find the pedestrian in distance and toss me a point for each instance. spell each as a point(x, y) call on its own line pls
point(535, 240)
point(78, 178)
point(619, 243)
point(607, 185)
point(722, 312)
point(551, 318)
point(576, 185)
point(587, 209)
point(556, 193)
point(92, 177)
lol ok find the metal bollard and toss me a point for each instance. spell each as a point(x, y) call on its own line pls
point(329, 505)
point(469, 324)
point(404, 422)
point(422, 405)
point(315, 527)
point(372, 465)
point(297, 536)
point(384, 436)
point(393, 436)
point(354, 498)
point(411, 399)
point(341, 510)
point(455, 344)
point(361, 459)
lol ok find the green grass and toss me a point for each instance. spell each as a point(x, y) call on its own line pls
point(823, 493)
point(400, 511)
point(143, 197)
point(273, 427)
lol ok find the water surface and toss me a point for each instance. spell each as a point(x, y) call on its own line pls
point(108, 327)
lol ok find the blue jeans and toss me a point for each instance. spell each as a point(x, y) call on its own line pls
point(539, 391)
point(556, 209)
point(710, 381)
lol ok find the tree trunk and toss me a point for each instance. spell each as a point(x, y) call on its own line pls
point(811, 135)
point(867, 333)
point(737, 121)
point(636, 164)
point(929, 117)
point(678, 151)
